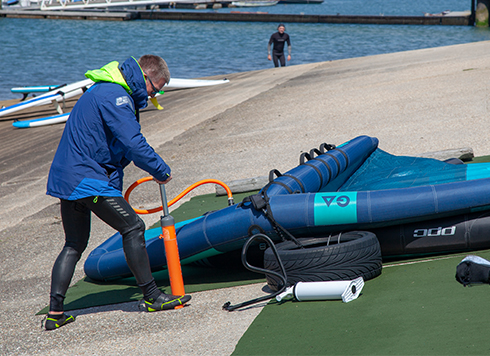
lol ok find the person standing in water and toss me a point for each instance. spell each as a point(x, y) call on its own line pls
point(278, 40)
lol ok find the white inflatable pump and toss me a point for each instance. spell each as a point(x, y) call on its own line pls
point(345, 290)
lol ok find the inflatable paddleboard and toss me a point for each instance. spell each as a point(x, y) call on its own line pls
point(34, 89)
point(174, 83)
point(193, 83)
point(63, 92)
point(50, 120)
point(25, 91)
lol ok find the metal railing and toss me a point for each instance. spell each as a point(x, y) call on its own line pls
point(94, 4)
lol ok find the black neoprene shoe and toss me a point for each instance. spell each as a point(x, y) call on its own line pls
point(163, 302)
point(53, 323)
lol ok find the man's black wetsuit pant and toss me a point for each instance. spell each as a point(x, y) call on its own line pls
point(278, 57)
point(116, 212)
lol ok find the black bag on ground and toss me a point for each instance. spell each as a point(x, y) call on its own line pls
point(473, 270)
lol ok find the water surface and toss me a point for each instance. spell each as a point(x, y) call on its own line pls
point(46, 52)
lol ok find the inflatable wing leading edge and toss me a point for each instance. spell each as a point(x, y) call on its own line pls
point(414, 205)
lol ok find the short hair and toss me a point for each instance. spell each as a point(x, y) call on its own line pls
point(155, 67)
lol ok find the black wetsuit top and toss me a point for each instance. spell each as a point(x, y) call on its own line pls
point(279, 40)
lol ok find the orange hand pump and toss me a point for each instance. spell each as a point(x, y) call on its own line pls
point(171, 249)
point(168, 229)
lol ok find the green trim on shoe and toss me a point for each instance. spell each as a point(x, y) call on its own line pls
point(163, 302)
point(53, 324)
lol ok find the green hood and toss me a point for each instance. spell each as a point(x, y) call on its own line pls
point(109, 73)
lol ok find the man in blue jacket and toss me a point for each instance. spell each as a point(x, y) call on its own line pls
point(101, 137)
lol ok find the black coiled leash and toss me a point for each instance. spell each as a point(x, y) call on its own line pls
point(227, 306)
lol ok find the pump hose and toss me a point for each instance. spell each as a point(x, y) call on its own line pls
point(227, 306)
point(178, 197)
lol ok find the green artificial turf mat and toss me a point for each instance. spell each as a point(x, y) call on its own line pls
point(87, 293)
point(411, 309)
point(481, 159)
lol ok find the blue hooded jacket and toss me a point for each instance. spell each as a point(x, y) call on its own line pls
point(102, 136)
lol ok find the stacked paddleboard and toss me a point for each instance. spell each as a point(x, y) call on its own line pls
point(59, 93)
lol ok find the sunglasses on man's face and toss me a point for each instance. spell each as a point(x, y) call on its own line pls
point(155, 90)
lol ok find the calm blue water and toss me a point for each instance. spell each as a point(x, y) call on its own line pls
point(42, 52)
